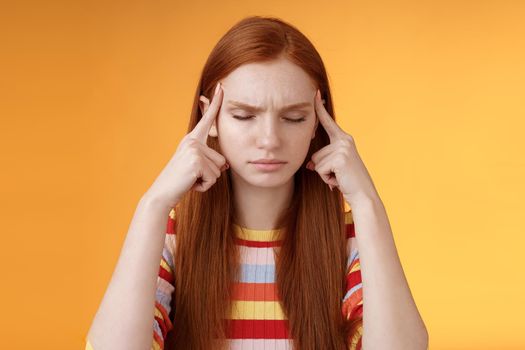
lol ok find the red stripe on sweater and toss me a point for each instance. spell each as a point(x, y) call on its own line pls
point(163, 312)
point(258, 244)
point(162, 326)
point(353, 278)
point(350, 231)
point(356, 312)
point(254, 291)
point(159, 340)
point(168, 277)
point(170, 227)
point(257, 329)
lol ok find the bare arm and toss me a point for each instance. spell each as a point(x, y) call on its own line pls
point(125, 317)
point(390, 316)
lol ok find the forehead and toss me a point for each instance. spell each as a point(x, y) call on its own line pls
point(278, 82)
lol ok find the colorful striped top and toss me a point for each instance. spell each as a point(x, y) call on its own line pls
point(257, 320)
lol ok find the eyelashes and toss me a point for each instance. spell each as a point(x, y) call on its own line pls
point(288, 119)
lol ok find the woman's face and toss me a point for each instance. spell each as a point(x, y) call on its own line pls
point(261, 92)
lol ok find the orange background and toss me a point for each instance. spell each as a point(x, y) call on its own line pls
point(95, 96)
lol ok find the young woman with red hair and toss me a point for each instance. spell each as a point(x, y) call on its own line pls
point(259, 251)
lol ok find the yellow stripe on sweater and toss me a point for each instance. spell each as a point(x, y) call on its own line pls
point(165, 265)
point(257, 310)
point(354, 338)
point(348, 217)
point(356, 266)
point(155, 345)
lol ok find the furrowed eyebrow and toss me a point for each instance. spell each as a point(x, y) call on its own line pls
point(251, 108)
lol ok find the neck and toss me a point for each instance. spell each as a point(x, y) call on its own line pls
point(258, 208)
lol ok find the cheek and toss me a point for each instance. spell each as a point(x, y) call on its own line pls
point(229, 139)
point(302, 143)
point(304, 134)
point(301, 146)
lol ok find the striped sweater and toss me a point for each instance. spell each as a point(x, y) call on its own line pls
point(257, 320)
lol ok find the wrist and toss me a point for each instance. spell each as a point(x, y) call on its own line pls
point(362, 198)
point(156, 202)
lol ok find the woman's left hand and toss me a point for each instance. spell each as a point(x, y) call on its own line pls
point(338, 163)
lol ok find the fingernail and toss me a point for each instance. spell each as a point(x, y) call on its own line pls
point(331, 187)
point(317, 94)
point(217, 88)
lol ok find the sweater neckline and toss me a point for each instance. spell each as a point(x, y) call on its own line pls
point(257, 235)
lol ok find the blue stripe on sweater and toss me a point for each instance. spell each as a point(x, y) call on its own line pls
point(257, 273)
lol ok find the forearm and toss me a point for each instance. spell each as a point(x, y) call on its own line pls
point(390, 316)
point(125, 317)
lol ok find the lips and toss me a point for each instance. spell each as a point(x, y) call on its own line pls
point(268, 161)
point(268, 167)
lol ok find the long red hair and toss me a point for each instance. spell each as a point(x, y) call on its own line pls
point(311, 263)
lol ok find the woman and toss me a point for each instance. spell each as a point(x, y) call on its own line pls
point(263, 256)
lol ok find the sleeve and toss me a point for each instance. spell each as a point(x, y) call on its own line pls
point(353, 299)
point(165, 287)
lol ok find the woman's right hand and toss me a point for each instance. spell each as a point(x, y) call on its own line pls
point(194, 165)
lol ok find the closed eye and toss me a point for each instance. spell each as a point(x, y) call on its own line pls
point(289, 119)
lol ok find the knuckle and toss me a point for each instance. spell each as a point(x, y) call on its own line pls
point(345, 142)
point(194, 155)
point(198, 154)
point(339, 162)
point(195, 164)
point(193, 141)
point(188, 142)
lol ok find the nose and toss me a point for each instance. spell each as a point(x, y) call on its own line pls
point(268, 133)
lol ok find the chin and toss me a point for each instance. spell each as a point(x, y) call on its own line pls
point(268, 180)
